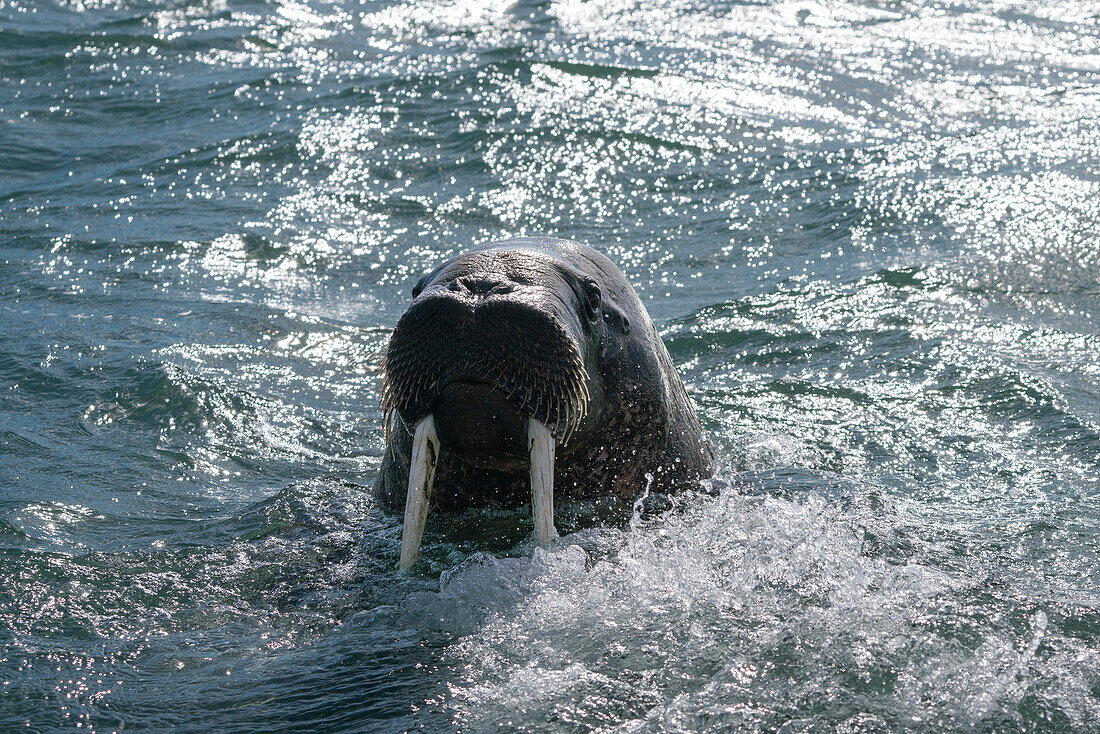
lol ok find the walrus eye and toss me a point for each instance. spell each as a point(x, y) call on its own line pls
point(592, 301)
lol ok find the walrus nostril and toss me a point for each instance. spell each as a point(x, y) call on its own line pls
point(481, 285)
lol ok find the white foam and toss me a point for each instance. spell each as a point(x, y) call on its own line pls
point(740, 611)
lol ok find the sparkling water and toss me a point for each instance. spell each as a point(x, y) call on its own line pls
point(869, 233)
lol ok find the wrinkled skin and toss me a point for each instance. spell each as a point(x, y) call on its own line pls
point(546, 328)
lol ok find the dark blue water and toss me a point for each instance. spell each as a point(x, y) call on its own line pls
point(869, 233)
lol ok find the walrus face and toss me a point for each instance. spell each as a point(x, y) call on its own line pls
point(494, 360)
point(491, 341)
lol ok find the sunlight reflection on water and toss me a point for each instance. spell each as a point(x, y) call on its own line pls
point(866, 232)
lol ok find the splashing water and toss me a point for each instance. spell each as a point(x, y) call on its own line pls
point(747, 612)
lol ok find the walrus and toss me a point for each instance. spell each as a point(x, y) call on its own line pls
point(524, 369)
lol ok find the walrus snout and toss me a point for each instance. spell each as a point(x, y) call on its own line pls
point(515, 348)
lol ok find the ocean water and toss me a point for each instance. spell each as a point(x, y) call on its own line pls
point(869, 233)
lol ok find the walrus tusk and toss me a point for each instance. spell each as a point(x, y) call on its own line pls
point(541, 444)
point(421, 475)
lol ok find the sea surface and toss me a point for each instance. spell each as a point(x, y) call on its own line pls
point(868, 232)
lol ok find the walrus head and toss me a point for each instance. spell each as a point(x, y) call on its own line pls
point(519, 357)
point(493, 361)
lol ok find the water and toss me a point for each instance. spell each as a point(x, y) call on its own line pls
point(868, 232)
